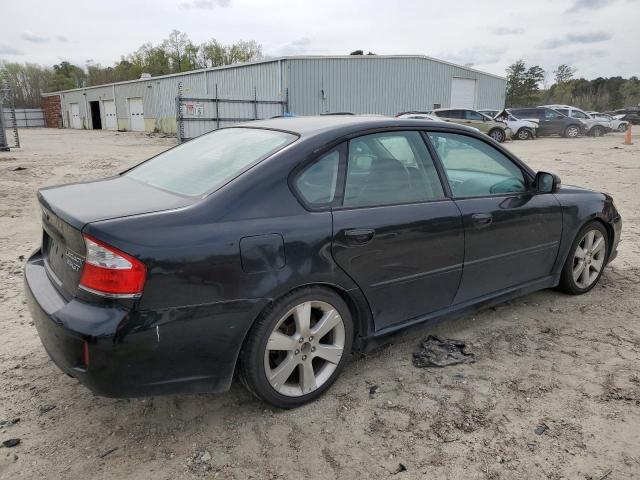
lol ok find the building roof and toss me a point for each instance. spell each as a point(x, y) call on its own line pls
point(278, 59)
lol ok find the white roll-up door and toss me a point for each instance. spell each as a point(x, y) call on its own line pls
point(463, 93)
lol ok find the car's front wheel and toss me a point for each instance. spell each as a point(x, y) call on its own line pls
point(498, 135)
point(297, 348)
point(597, 131)
point(622, 127)
point(586, 260)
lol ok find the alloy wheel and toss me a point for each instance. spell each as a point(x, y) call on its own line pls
point(573, 132)
point(497, 135)
point(523, 134)
point(588, 259)
point(304, 348)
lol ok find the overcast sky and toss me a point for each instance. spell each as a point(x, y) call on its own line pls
point(598, 37)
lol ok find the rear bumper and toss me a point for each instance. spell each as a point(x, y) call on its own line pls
point(180, 350)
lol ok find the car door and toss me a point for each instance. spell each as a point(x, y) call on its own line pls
point(477, 120)
point(512, 232)
point(552, 122)
point(453, 115)
point(396, 233)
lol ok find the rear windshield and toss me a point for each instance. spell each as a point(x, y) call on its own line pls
point(206, 163)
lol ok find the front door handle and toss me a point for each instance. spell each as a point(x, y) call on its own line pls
point(481, 220)
point(358, 236)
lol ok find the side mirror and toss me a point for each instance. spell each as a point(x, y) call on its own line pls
point(546, 182)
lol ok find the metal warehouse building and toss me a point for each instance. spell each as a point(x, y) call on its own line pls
point(198, 101)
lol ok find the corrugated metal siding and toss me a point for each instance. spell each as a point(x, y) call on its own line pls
point(380, 85)
point(25, 117)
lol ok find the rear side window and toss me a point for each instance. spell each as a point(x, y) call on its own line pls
point(390, 168)
point(317, 183)
point(208, 162)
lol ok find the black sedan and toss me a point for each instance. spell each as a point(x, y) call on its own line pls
point(274, 249)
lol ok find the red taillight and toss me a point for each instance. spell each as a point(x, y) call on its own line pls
point(110, 272)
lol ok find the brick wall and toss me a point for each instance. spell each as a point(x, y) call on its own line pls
point(52, 111)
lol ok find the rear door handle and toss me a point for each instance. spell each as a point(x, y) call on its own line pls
point(481, 220)
point(358, 236)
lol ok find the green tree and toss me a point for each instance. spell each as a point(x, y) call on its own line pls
point(523, 84)
point(563, 73)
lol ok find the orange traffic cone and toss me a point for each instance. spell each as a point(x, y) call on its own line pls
point(627, 135)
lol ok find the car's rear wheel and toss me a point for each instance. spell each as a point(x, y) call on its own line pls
point(586, 260)
point(572, 131)
point(498, 135)
point(297, 348)
point(597, 131)
point(524, 134)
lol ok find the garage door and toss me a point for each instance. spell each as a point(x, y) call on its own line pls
point(136, 115)
point(463, 93)
point(76, 121)
point(111, 122)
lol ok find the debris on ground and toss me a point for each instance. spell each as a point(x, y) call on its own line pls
point(17, 169)
point(47, 407)
point(107, 452)
point(373, 390)
point(8, 423)
point(401, 468)
point(438, 352)
point(12, 442)
point(540, 429)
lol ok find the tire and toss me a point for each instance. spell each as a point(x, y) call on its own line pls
point(524, 134)
point(597, 131)
point(498, 135)
point(596, 260)
point(622, 128)
point(572, 131)
point(277, 375)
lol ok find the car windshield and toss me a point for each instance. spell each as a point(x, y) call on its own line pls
point(206, 163)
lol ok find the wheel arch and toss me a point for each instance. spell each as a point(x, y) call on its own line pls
point(363, 324)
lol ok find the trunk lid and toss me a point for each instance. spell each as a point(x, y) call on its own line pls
point(67, 209)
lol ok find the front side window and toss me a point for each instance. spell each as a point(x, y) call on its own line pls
point(317, 183)
point(206, 163)
point(471, 115)
point(475, 168)
point(550, 115)
point(390, 168)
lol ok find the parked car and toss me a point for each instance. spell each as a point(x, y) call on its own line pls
point(592, 126)
point(419, 115)
point(550, 122)
point(490, 113)
point(499, 131)
point(616, 123)
point(425, 116)
point(628, 115)
point(523, 129)
point(277, 248)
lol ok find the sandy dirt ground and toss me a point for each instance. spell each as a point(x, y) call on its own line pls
point(555, 392)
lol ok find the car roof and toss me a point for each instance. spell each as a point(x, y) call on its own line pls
point(344, 124)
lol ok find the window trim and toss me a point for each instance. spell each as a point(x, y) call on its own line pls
point(527, 173)
point(316, 156)
point(420, 132)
